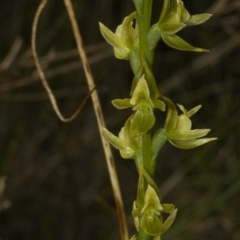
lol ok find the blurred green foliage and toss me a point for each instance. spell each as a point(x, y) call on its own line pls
point(57, 180)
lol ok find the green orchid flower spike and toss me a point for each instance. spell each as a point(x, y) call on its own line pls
point(124, 40)
point(178, 128)
point(135, 40)
point(173, 18)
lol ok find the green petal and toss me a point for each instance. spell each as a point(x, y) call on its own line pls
point(159, 104)
point(176, 42)
point(171, 28)
point(187, 135)
point(194, 110)
point(198, 19)
point(188, 144)
point(122, 103)
point(169, 221)
point(168, 208)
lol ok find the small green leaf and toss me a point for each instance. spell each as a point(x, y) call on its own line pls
point(175, 41)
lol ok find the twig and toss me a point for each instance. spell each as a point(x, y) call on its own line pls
point(101, 123)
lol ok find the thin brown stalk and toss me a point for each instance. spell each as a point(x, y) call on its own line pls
point(101, 123)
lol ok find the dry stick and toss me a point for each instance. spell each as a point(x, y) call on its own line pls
point(96, 104)
point(101, 123)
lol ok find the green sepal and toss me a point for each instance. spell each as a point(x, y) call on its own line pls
point(188, 144)
point(124, 40)
point(141, 95)
point(168, 208)
point(198, 19)
point(176, 42)
point(187, 134)
point(171, 28)
point(125, 150)
point(114, 40)
point(152, 199)
point(159, 104)
point(122, 103)
point(169, 221)
point(115, 141)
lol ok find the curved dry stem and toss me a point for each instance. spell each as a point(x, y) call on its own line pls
point(42, 75)
point(96, 104)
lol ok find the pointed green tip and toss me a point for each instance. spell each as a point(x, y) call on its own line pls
point(201, 50)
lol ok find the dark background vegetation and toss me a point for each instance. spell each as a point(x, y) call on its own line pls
point(57, 184)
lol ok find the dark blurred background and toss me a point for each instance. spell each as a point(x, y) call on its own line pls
point(54, 182)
